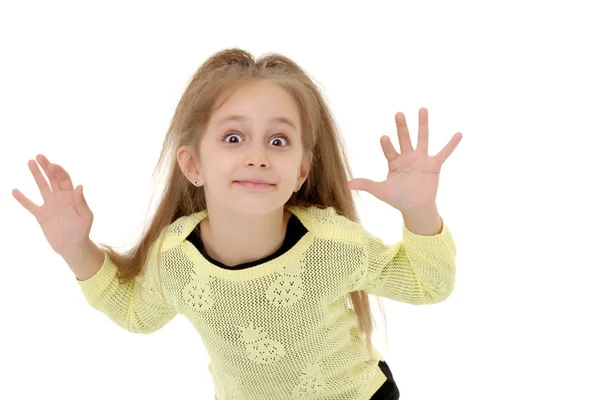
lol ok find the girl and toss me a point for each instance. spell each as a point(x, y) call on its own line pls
point(256, 239)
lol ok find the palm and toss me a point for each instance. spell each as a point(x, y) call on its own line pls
point(413, 176)
point(411, 181)
point(61, 223)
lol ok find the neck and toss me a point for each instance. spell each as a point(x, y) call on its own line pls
point(234, 239)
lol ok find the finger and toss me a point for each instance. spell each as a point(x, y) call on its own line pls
point(39, 180)
point(80, 203)
point(63, 177)
point(25, 202)
point(403, 135)
point(367, 185)
point(388, 148)
point(448, 149)
point(423, 141)
point(50, 173)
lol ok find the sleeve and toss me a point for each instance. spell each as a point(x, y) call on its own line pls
point(138, 306)
point(418, 270)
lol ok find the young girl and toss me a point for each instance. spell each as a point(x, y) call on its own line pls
point(256, 239)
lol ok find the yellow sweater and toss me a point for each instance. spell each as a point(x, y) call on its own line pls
point(281, 329)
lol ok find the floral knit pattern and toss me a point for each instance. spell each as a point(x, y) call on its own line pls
point(281, 329)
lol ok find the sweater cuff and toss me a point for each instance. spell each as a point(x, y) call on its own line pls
point(443, 238)
point(106, 272)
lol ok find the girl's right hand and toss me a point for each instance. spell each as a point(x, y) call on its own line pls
point(65, 217)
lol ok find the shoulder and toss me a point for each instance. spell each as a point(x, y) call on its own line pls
point(177, 231)
point(326, 222)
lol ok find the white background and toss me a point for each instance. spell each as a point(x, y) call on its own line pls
point(93, 87)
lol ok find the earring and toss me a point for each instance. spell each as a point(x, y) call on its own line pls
point(196, 182)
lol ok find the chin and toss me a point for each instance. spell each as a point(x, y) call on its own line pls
point(257, 206)
point(259, 209)
point(241, 201)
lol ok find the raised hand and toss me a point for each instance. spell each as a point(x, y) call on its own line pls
point(413, 175)
point(65, 217)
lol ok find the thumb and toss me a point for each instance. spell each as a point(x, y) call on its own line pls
point(365, 184)
point(80, 203)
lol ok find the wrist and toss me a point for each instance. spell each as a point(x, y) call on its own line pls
point(78, 251)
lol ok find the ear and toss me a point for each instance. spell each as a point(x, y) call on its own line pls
point(188, 162)
point(305, 166)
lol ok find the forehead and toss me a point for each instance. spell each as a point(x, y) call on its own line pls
point(256, 103)
point(246, 119)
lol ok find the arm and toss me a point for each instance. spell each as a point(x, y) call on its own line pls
point(418, 270)
point(85, 261)
point(137, 306)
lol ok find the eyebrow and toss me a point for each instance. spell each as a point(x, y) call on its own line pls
point(244, 118)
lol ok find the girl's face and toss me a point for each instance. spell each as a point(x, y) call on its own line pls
point(263, 141)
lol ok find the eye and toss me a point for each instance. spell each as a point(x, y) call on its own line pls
point(227, 135)
point(279, 137)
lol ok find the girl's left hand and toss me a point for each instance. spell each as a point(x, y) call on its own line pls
point(413, 176)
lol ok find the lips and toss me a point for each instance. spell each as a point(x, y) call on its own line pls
point(251, 184)
point(255, 181)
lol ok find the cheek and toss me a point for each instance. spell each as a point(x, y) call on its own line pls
point(212, 167)
point(225, 168)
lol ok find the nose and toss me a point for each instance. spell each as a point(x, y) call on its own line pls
point(256, 158)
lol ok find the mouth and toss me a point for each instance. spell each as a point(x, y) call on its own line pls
point(254, 185)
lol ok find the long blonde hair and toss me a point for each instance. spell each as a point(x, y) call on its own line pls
point(217, 78)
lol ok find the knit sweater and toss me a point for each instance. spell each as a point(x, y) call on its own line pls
point(281, 328)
